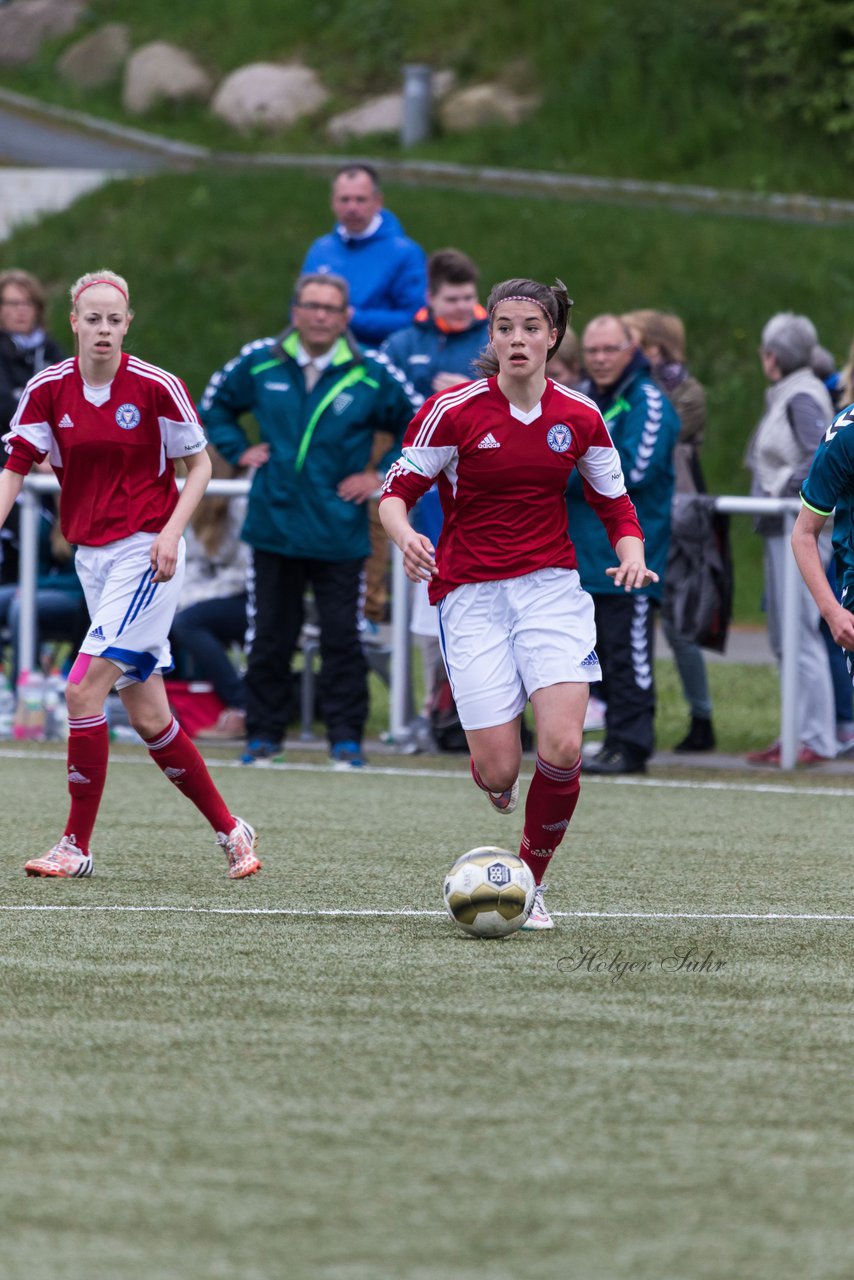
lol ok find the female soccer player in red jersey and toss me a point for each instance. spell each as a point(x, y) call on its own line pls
point(514, 620)
point(110, 425)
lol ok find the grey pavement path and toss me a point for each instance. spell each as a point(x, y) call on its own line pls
point(39, 133)
point(50, 144)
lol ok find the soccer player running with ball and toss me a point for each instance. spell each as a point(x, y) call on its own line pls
point(110, 424)
point(515, 622)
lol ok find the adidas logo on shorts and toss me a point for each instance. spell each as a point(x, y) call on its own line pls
point(98, 633)
point(591, 660)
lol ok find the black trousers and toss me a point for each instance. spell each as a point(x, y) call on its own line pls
point(276, 609)
point(625, 637)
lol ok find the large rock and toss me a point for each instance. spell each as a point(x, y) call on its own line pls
point(383, 114)
point(25, 26)
point(96, 59)
point(377, 115)
point(483, 105)
point(161, 72)
point(268, 95)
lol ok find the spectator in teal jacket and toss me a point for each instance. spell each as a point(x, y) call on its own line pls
point(319, 402)
point(644, 427)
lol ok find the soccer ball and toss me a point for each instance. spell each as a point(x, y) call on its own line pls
point(489, 892)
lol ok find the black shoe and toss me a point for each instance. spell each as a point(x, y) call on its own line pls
point(700, 737)
point(613, 760)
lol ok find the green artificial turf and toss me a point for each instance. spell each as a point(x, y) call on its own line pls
point(226, 1082)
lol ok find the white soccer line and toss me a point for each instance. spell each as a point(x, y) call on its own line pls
point(762, 917)
point(394, 771)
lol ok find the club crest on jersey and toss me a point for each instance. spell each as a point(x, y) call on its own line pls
point(559, 438)
point(128, 416)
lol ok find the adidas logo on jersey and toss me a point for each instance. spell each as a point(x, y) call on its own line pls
point(489, 442)
point(98, 633)
point(65, 421)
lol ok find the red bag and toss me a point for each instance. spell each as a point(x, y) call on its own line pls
point(194, 704)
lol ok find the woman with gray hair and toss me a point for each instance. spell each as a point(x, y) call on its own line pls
point(797, 413)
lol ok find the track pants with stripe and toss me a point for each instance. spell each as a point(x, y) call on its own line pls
point(625, 635)
point(277, 590)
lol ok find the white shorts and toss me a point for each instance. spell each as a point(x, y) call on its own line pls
point(131, 616)
point(502, 641)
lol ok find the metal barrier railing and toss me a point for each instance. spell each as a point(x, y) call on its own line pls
point(400, 680)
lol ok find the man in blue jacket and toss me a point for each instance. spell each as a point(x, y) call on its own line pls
point(318, 401)
point(386, 271)
point(644, 427)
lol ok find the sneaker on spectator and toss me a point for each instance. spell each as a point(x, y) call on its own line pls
point(770, 756)
point(539, 917)
point(64, 861)
point(239, 845)
point(261, 751)
point(347, 755)
point(230, 725)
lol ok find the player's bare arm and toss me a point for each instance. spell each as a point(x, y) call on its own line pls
point(164, 548)
point(419, 554)
point(10, 486)
point(805, 535)
point(631, 573)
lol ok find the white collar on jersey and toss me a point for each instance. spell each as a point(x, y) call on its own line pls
point(531, 416)
point(96, 395)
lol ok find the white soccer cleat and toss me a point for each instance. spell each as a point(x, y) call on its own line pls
point(539, 917)
point(505, 801)
point(239, 845)
point(64, 861)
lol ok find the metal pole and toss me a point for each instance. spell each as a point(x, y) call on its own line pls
point(417, 104)
point(28, 568)
point(399, 682)
point(790, 640)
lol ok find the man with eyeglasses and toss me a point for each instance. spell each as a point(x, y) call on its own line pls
point(319, 401)
point(644, 427)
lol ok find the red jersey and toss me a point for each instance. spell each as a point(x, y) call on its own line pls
point(502, 477)
point(113, 460)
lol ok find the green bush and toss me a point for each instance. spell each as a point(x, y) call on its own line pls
point(802, 53)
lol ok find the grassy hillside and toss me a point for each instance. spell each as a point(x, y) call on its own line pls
point(211, 258)
point(642, 88)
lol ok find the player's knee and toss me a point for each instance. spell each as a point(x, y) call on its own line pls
point(498, 775)
point(561, 748)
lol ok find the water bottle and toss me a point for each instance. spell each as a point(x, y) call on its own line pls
point(30, 712)
point(55, 719)
point(7, 709)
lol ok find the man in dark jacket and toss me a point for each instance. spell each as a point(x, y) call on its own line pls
point(318, 401)
point(644, 427)
point(386, 271)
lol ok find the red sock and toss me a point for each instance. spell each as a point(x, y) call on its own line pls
point(176, 755)
point(88, 751)
point(552, 797)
